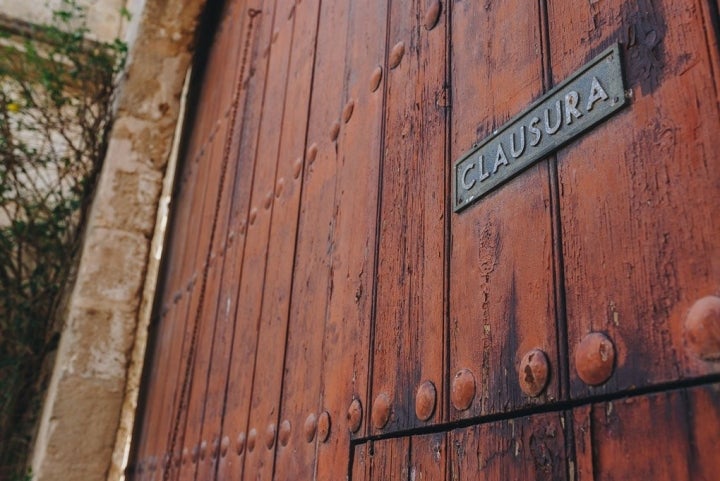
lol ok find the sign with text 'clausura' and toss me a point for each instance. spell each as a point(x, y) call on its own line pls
point(588, 97)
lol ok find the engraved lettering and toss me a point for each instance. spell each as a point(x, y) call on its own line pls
point(558, 112)
point(532, 128)
point(597, 92)
point(587, 98)
point(465, 184)
point(500, 158)
point(517, 152)
point(571, 101)
point(481, 162)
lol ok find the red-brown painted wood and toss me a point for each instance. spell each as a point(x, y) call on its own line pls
point(639, 220)
point(531, 447)
point(346, 340)
point(664, 436)
point(501, 269)
point(410, 321)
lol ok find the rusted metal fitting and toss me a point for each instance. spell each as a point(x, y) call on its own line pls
point(376, 78)
point(348, 110)
point(224, 446)
point(284, 434)
point(310, 427)
point(354, 415)
point(215, 448)
point(432, 14)
point(702, 328)
point(463, 389)
point(396, 55)
point(240, 443)
point(312, 153)
point(534, 372)
point(334, 131)
point(381, 411)
point(297, 168)
point(251, 439)
point(323, 426)
point(270, 435)
point(203, 450)
point(425, 400)
point(595, 359)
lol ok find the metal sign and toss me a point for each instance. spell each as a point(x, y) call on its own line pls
point(588, 97)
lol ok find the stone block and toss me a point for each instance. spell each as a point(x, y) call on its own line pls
point(112, 268)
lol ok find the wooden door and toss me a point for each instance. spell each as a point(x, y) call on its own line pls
point(326, 314)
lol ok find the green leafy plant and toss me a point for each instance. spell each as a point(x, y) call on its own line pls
point(56, 96)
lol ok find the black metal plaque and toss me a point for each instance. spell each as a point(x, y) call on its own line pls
point(588, 97)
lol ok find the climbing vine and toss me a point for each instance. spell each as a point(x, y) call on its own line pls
point(56, 95)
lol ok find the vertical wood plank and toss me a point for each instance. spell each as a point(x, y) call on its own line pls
point(300, 23)
point(531, 447)
point(409, 324)
point(249, 260)
point(428, 457)
point(501, 269)
point(685, 425)
point(390, 459)
point(353, 206)
point(301, 382)
point(639, 220)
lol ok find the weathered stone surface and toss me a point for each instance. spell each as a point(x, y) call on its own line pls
point(79, 442)
point(102, 341)
point(112, 267)
point(85, 428)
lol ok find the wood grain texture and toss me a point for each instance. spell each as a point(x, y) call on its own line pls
point(639, 224)
point(531, 447)
point(501, 268)
point(410, 320)
point(253, 225)
point(664, 436)
point(300, 25)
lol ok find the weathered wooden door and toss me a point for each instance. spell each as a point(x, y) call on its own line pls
point(325, 313)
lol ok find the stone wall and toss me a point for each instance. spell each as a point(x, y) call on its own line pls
point(88, 412)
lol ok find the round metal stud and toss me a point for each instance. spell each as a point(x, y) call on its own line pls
point(376, 78)
point(432, 14)
point(702, 328)
point(348, 110)
point(310, 427)
point(463, 389)
point(534, 372)
point(312, 153)
point(252, 437)
point(270, 435)
point(203, 450)
point(354, 415)
point(396, 55)
point(240, 444)
point(425, 401)
point(284, 434)
point(297, 168)
point(595, 359)
point(381, 411)
point(334, 131)
point(323, 426)
point(195, 453)
point(279, 187)
point(224, 446)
